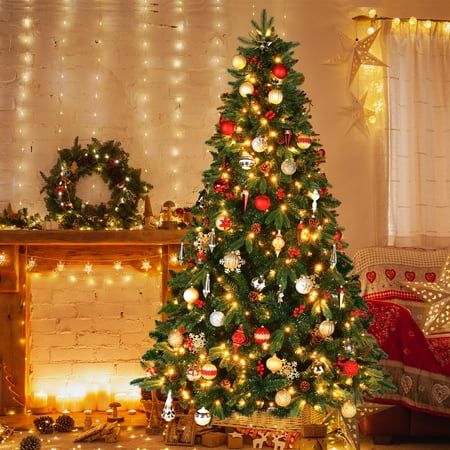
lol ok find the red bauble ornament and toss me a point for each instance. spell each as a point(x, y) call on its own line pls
point(270, 114)
point(280, 71)
point(227, 127)
point(262, 335)
point(305, 386)
point(350, 368)
point(239, 338)
point(221, 185)
point(338, 235)
point(281, 194)
point(262, 202)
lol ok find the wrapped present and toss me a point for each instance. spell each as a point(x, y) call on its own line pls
point(310, 431)
point(235, 440)
point(214, 439)
point(311, 443)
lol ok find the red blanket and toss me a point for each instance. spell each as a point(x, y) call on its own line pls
point(419, 367)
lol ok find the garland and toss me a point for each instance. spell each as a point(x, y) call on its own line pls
point(11, 220)
point(110, 161)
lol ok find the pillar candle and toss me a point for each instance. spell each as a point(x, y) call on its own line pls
point(61, 402)
point(91, 399)
point(122, 398)
point(76, 403)
point(103, 397)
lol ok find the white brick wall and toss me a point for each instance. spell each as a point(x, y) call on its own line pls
point(90, 330)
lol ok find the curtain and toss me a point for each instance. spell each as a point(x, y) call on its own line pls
point(418, 90)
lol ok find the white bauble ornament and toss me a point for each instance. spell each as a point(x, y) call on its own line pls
point(246, 88)
point(288, 166)
point(175, 338)
point(217, 318)
point(202, 417)
point(246, 162)
point(304, 284)
point(283, 398)
point(326, 328)
point(348, 409)
point(193, 374)
point(275, 96)
point(190, 295)
point(259, 144)
point(274, 364)
point(239, 62)
point(209, 371)
point(278, 243)
point(259, 283)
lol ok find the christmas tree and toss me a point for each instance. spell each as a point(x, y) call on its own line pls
point(265, 314)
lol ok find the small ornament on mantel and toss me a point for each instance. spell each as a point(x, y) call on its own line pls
point(150, 220)
point(167, 216)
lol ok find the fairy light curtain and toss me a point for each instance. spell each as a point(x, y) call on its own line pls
point(417, 53)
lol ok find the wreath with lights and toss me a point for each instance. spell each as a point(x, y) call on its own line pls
point(110, 161)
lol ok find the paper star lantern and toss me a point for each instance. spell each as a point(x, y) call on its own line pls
point(358, 114)
point(438, 294)
point(359, 53)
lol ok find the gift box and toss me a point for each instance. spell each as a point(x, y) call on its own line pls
point(235, 440)
point(311, 443)
point(214, 439)
point(310, 431)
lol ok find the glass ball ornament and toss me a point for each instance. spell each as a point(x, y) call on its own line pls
point(175, 338)
point(275, 96)
point(348, 409)
point(193, 373)
point(246, 88)
point(283, 398)
point(217, 318)
point(304, 141)
point(222, 221)
point(239, 62)
point(326, 328)
point(289, 166)
point(190, 295)
point(231, 261)
point(246, 162)
point(209, 371)
point(274, 364)
point(278, 243)
point(304, 285)
point(259, 144)
point(261, 335)
point(202, 417)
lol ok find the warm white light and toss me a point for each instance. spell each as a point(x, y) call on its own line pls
point(427, 24)
point(372, 13)
point(396, 21)
point(412, 20)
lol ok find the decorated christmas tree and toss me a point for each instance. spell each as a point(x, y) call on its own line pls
point(264, 314)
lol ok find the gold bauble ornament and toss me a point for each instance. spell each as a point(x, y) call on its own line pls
point(326, 328)
point(246, 88)
point(278, 243)
point(239, 62)
point(288, 166)
point(190, 295)
point(348, 409)
point(283, 398)
point(231, 261)
point(274, 364)
point(175, 338)
point(275, 96)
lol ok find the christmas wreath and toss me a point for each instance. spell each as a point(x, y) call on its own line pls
point(110, 161)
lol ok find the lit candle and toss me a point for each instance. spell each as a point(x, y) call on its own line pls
point(131, 412)
point(76, 402)
point(39, 402)
point(61, 402)
point(104, 397)
point(122, 398)
point(134, 398)
point(90, 401)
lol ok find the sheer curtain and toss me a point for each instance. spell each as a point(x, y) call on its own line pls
point(418, 89)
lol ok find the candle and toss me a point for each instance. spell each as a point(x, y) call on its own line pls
point(134, 398)
point(39, 400)
point(91, 399)
point(109, 412)
point(103, 397)
point(131, 412)
point(76, 403)
point(122, 398)
point(61, 402)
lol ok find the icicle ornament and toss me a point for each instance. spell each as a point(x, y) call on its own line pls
point(207, 285)
point(181, 253)
point(212, 240)
point(314, 197)
point(168, 413)
point(333, 257)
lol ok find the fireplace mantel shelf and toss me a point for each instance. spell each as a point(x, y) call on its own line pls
point(101, 237)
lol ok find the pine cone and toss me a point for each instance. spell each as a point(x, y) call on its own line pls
point(30, 443)
point(64, 424)
point(44, 424)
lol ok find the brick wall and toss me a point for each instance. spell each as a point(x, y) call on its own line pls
point(90, 328)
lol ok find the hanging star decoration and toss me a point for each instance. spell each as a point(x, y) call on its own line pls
point(358, 114)
point(436, 293)
point(359, 53)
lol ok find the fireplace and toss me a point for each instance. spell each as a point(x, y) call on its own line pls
point(76, 308)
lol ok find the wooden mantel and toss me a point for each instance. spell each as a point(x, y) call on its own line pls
point(101, 237)
point(69, 245)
